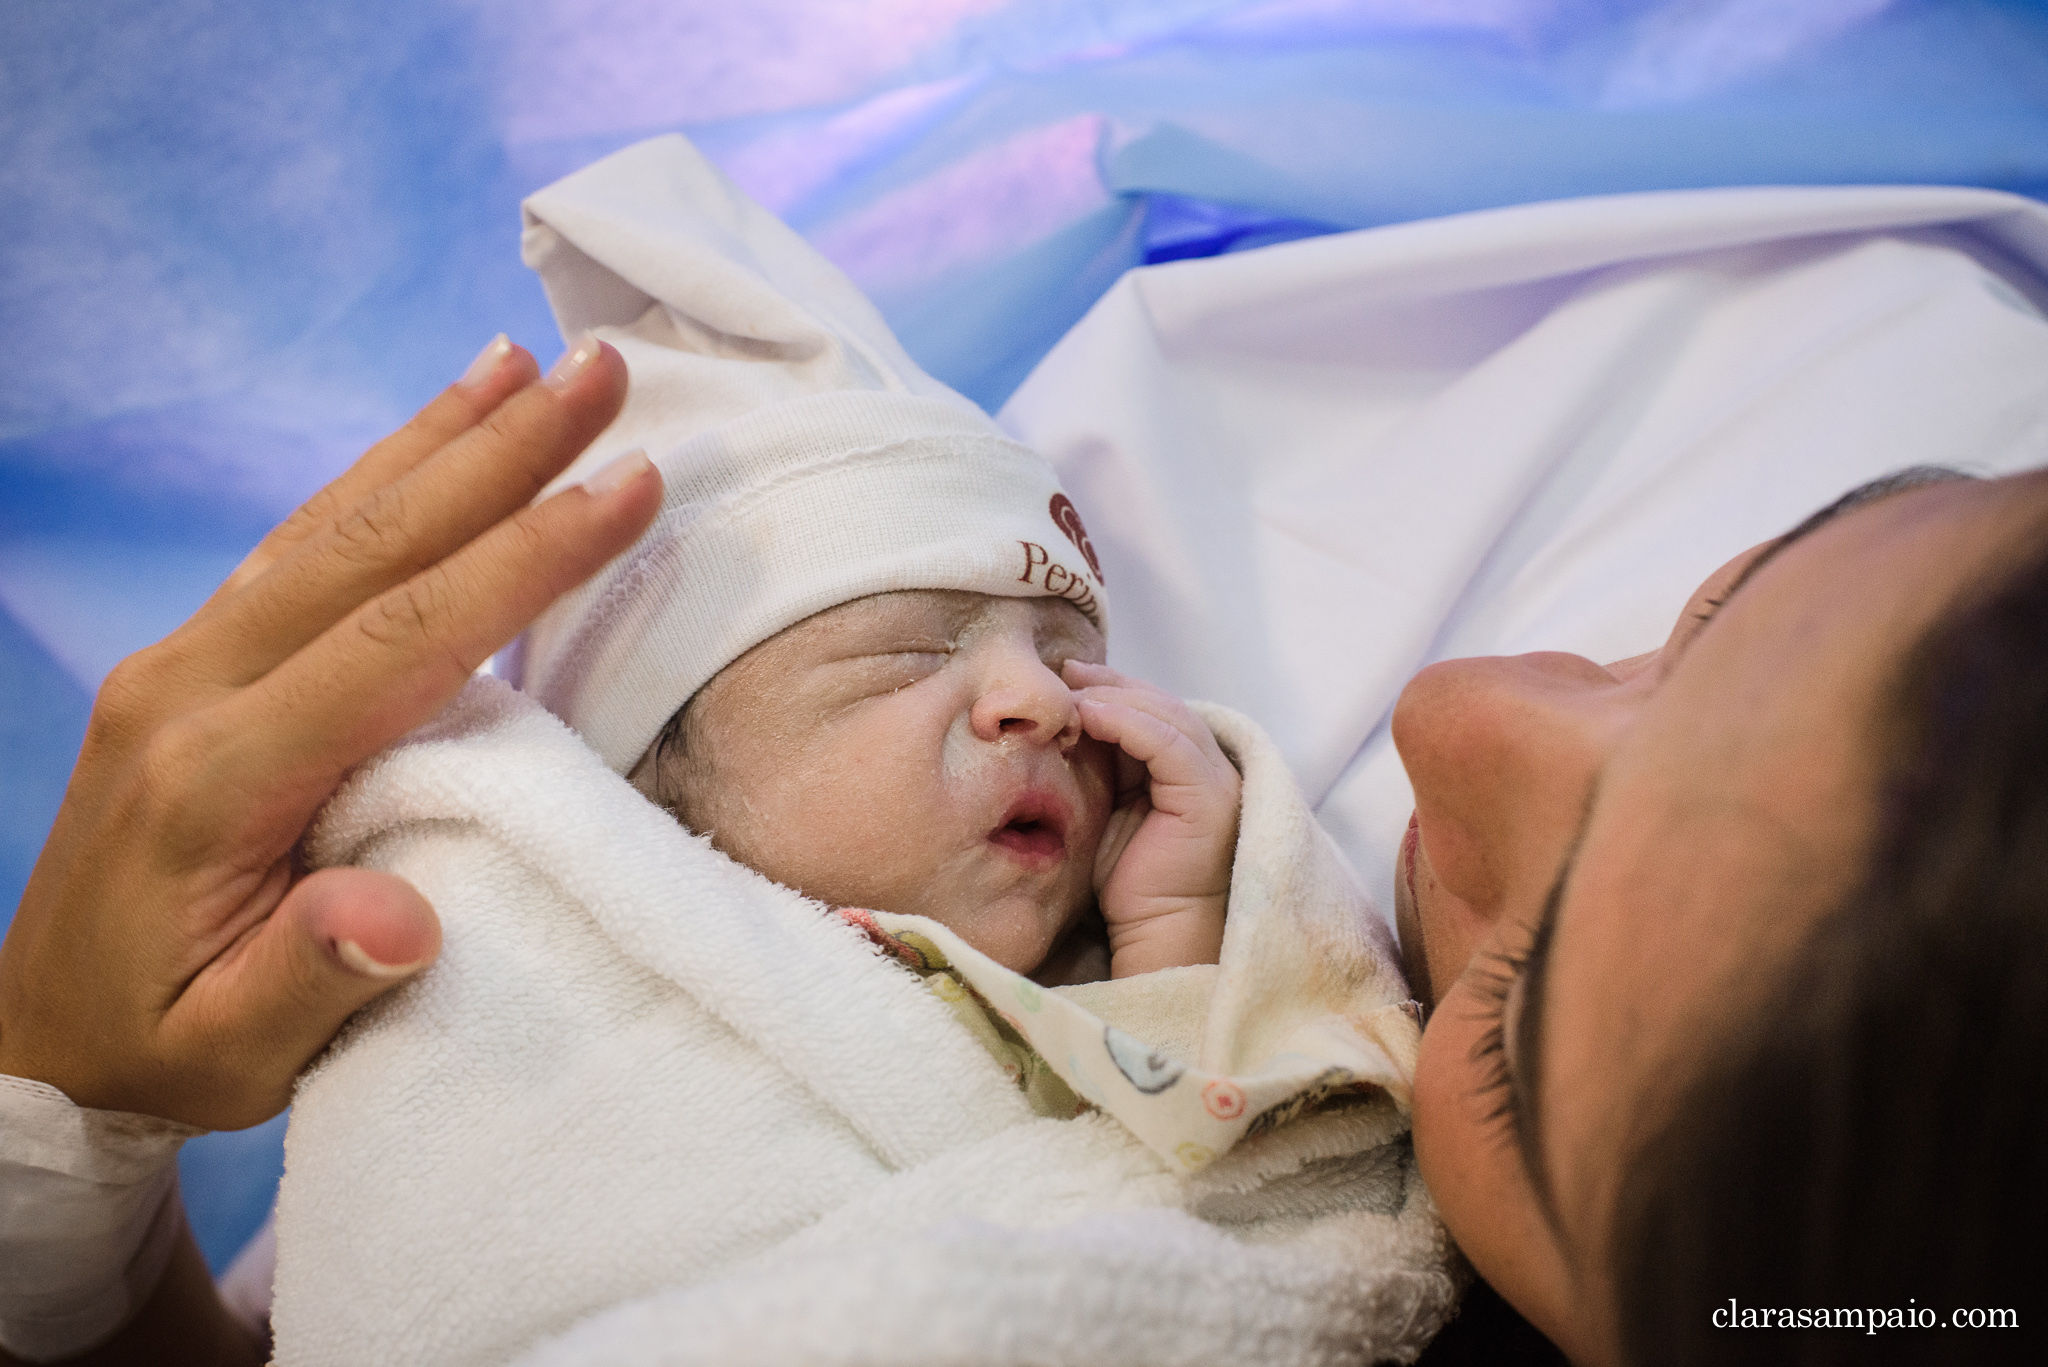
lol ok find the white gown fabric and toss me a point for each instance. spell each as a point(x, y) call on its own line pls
point(1311, 469)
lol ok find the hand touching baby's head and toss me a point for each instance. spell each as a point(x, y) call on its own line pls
point(954, 755)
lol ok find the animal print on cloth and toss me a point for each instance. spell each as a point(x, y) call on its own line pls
point(1044, 1088)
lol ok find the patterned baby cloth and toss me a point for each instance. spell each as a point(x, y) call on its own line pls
point(1066, 1058)
point(1044, 1088)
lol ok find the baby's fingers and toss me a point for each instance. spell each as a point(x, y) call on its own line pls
point(1104, 684)
point(1186, 781)
point(1086, 674)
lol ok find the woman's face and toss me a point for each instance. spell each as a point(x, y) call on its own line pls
point(1608, 861)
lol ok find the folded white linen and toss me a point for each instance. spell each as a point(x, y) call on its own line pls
point(643, 1079)
point(1314, 468)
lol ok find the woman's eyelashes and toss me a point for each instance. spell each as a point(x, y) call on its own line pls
point(1690, 626)
point(1495, 973)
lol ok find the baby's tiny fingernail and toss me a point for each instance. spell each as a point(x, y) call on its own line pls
point(616, 473)
point(574, 362)
point(487, 362)
point(359, 961)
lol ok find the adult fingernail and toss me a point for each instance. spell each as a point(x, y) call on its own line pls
point(574, 362)
point(487, 362)
point(616, 473)
point(359, 961)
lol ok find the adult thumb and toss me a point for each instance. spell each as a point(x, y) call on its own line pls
point(375, 926)
point(337, 941)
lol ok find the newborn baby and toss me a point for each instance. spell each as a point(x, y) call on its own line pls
point(970, 759)
point(955, 997)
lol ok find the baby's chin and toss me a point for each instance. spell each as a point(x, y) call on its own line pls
point(1017, 931)
point(1015, 902)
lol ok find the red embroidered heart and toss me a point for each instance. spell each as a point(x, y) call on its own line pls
point(1068, 520)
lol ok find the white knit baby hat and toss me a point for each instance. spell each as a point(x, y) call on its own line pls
point(808, 460)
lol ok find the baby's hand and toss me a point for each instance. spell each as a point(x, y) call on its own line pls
point(1162, 874)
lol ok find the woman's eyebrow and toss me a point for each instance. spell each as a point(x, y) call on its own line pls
point(1871, 491)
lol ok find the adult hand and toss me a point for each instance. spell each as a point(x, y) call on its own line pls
point(168, 957)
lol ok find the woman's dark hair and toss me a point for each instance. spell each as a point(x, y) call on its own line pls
point(1873, 1142)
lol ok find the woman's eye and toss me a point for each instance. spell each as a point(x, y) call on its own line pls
point(1494, 978)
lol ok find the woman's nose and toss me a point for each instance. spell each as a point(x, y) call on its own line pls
point(1023, 699)
point(1503, 753)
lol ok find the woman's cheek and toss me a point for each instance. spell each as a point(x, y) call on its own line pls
point(1450, 1147)
point(1466, 1151)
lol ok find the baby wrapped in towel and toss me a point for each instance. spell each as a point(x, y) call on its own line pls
point(955, 999)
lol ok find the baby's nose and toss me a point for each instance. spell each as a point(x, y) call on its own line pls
point(1038, 709)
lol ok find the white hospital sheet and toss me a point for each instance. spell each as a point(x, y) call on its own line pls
point(1311, 469)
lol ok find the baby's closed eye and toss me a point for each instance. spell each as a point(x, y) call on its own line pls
point(886, 670)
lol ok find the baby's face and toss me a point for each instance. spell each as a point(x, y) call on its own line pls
point(911, 752)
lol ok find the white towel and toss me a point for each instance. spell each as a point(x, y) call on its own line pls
point(647, 1085)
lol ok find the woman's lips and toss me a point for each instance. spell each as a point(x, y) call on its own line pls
point(1408, 843)
point(1034, 829)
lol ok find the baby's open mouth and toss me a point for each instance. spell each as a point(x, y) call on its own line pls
point(1034, 829)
